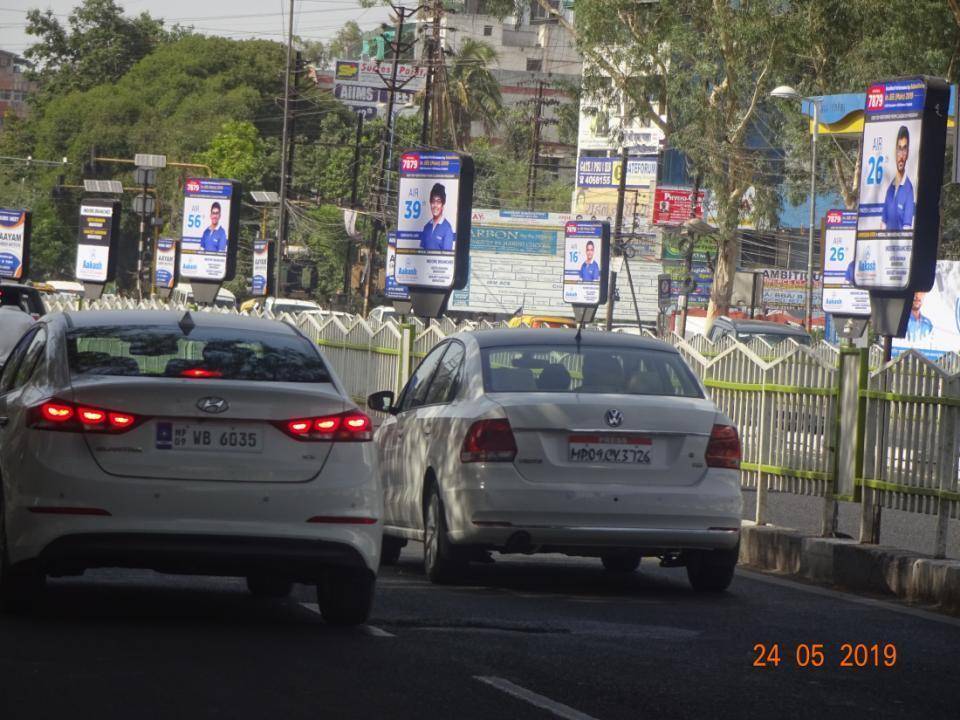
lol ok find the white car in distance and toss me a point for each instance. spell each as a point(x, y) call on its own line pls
point(204, 444)
point(523, 441)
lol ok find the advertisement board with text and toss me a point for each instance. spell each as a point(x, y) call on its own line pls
point(586, 262)
point(840, 297)
point(166, 267)
point(208, 239)
point(14, 244)
point(97, 240)
point(671, 206)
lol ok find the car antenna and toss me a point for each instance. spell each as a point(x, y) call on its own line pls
point(186, 323)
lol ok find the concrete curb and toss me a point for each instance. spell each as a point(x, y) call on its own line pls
point(847, 564)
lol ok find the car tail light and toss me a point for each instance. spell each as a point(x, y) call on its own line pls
point(201, 373)
point(351, 426)
point(723, 449)
point(489, 441)
point(69, 417)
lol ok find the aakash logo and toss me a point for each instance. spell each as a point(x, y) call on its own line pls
point(867, 264)
point(406, 271)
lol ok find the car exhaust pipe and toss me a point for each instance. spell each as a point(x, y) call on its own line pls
point(519, 542)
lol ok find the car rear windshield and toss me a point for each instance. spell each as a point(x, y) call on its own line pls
point(165, 351)
point(592, 369)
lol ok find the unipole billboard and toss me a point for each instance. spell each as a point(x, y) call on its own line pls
point(14, 244)
point(165, 273)
point(97, 244)
point(840, 297)
point(435, 200)
point(261, 265)
point(586, 266)
point(209, 234)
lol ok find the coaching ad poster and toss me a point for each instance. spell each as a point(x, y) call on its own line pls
point(99, 226)
point(586, 259)
point(166, 271)
point(206, 241)
point(840, 297)
point(14, 243)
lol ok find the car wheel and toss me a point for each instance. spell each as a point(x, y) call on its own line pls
point(711, 570)
point(439, 561)
point(345, 597)
point(20, 585)
point(390, 549)
point(622, 562)
point(268, 587)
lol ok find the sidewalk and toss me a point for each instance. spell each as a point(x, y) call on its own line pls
point(848, 565)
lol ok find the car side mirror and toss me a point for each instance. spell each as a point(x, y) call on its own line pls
point(381, 401)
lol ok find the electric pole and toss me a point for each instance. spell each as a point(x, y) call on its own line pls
point(284, 159)
point(382, 188)
point(434, 52)
point(535, 150)
point(688, 283)
point(348, 259)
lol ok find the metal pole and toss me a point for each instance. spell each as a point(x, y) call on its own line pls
point(618, 226)
point(284, 159)
point(348, 255)
point(143, 229)
point(808, 315)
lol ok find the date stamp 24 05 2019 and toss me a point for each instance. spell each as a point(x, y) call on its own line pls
point(816, 655)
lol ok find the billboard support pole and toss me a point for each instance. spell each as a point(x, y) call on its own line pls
point(808, 312)
point(284, 158)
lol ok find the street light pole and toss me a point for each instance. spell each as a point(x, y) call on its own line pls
point(808, 312)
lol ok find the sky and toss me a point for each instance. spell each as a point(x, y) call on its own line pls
point(265, 19)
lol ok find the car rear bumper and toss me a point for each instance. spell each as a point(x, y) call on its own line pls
point(295, 559)
point(503, 510)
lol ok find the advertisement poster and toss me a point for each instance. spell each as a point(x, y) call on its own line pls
point(671, 206)
point(14, 242)
point(166, 263)
point(261, 267)
point(840, 297)
point(934, 325)
point(888, 182)
point(205, 235)
point(601, 204)
point(93, 246)
point(605, 172)
point(392, 289)
point(583, 253)
point(427, 219)
point(788, 288)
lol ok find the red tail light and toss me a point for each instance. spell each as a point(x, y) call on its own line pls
point(723, 450)
point(351, 426)
point(201, 373)
point(489, 441)
point(68, 417)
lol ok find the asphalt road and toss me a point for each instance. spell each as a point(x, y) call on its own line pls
point(526, 637)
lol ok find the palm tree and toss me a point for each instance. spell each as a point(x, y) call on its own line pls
point(472, 91)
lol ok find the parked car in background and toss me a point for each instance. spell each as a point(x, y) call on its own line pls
point(208, 444)
point(541, 321)
point(747, 330)
point(289, 305)
point(62, 289)
point(382, 312)
point(183, 295)
point(14, 322)
point(534, 441)
point(25, 297)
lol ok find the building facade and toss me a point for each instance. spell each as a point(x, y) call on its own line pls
point(14, 86)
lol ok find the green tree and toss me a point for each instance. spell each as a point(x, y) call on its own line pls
point(98, 45)
point(698, 69)
point(472, 92)
point(237, 152)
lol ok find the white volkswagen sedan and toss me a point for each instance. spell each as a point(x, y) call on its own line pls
point(204, 444)
point(524, 441)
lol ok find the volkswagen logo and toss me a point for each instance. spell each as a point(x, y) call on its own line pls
point(213, 404)
point(613, 418)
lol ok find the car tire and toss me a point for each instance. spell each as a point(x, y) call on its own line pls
point(621, 562)
point(390, 549)
point(711, 570)
point(265, 586)
point(440, 563)
point(20, 585)
point(345, 597)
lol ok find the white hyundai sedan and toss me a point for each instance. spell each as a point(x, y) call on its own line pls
point(203, 444)
point(532, 441)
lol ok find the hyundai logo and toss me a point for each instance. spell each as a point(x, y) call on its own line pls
point(213, 404)
point(614, 418)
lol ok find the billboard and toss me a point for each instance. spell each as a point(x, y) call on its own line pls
point(433, 218)
point(208, 238)
point(97, 240)
point(165, 274)
point(788, 288)
point(933, 328)
point(900, 178)
point(260, 270)
point(14, 244)
point(361, 85)
point(671, 205)
point(586, 262)
point(392, 289)
point(840, 297)
point(605, 172)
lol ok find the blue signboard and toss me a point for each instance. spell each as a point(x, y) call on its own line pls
point(514, 240)
point(605, 172)
point(14, 243)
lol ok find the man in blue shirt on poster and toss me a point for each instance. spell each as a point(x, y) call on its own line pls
point(919, 326)
point(589, 270)
point(437, 234)
point(214, 237)
point(899, 205)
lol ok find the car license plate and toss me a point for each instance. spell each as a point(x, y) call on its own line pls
point(208, 437)
point(611, 449)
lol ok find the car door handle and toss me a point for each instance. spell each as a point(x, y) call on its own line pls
point(427, 427)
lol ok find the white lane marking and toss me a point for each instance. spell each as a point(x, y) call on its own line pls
point(838, 595)
point(370, 630)
point(558, 709)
